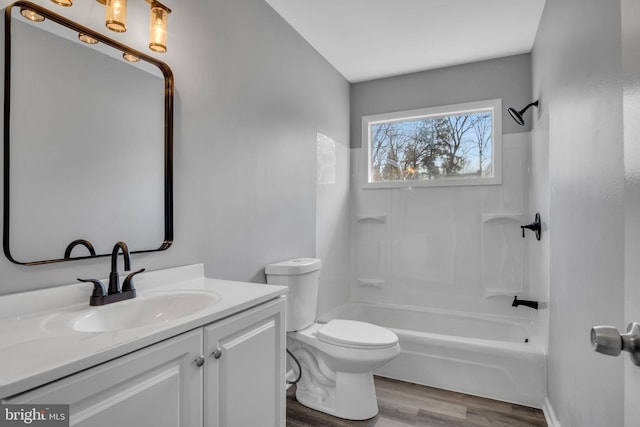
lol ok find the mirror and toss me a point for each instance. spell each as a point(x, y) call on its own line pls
point(88, 140)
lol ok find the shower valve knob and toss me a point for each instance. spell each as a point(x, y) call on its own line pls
point(607, 340)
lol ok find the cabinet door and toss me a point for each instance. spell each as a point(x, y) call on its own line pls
point(158, 386)
point(244, 371)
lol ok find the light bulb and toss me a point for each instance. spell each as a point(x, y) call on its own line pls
point(65, 3)
point(87, 39)
point(31, 15)
point(158, 27)
point(116, 15)
point(129, 57)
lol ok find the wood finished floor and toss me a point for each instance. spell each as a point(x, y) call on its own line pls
point(404, 404)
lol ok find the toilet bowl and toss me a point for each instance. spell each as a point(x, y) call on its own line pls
point(337, 366)
point(337, 359)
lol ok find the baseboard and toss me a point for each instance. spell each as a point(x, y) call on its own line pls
point(549, 414)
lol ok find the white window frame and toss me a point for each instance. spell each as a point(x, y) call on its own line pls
point(493, 105)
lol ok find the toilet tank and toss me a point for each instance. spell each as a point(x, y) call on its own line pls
point(300, 275)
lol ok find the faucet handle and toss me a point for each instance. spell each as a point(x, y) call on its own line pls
point(127, 285)
point(99, 290)
point(535, 226)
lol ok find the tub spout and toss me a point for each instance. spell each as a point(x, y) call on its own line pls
point(527, 303)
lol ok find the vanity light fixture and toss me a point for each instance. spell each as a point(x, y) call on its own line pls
point(129, 57)
point(31, 15)
point(87, 39)
point(116, 15)
point(158, 26)
point(116, 20)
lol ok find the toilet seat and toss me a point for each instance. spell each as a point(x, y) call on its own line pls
point(355, 334)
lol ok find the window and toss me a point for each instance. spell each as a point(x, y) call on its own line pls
point(451, 145)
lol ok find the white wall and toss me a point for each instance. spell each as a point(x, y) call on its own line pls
point(251, 98)
point(576, 75)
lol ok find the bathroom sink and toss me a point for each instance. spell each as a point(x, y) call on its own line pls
point(152, 308)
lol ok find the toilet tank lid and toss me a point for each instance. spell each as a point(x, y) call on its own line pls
point(293, 266)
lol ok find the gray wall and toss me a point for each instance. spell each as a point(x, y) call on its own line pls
point(251, 96)
point(270, 95)
point(576, 74)
point(507, 78)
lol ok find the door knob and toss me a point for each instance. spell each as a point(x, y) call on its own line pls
point(607, 340)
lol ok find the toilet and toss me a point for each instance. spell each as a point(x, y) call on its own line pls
point(337, 358)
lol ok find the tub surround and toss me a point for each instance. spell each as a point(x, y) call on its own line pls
point(39, 344)
point(468, 256)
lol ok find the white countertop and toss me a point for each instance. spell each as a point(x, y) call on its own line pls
point(35, 349)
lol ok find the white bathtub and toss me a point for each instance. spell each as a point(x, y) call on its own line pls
point(487, 356)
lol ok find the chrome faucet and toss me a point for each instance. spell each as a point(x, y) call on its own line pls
point(102, 295)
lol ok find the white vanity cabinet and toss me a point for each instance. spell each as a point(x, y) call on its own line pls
point(157, 386)
point(228, 373)
point(245, 368)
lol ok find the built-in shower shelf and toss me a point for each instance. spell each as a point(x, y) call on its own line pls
point(371, 283)
point(372, 218)
point(494, 292)
point(502, 253)
point(516, 216)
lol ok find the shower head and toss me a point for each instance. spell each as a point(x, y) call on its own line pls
point(517, 115)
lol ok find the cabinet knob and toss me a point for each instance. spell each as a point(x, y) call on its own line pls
point(199, 361)
point(217, 354)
